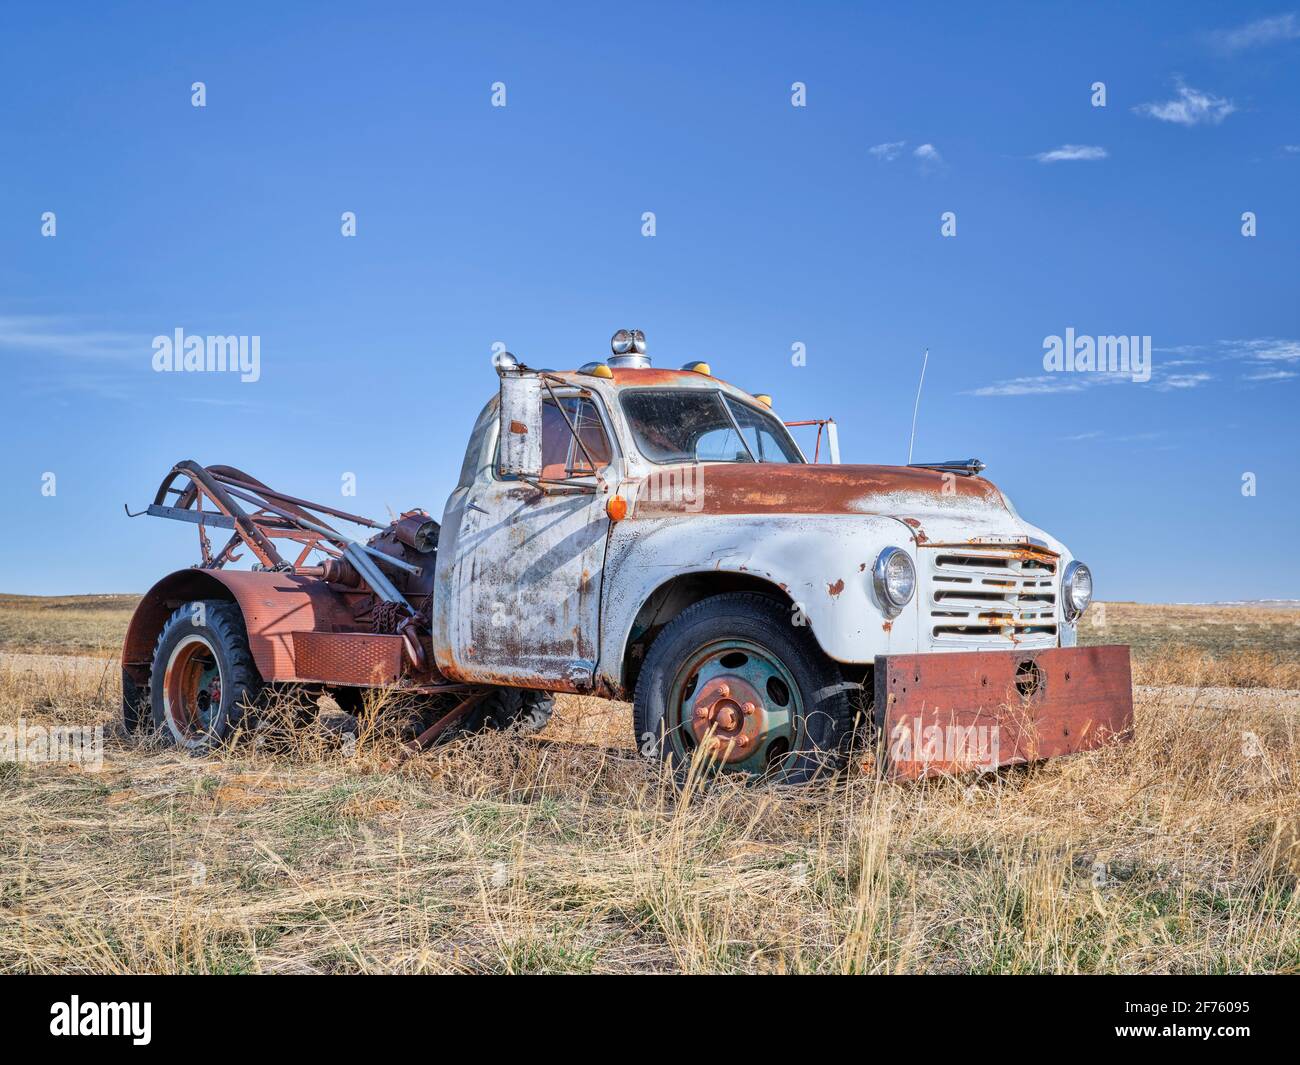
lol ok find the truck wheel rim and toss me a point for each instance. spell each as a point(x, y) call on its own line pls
point(191, 689)
point(737, 700)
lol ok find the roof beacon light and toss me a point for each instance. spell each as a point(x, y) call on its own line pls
point(698, 367)
point(763, 398)
point(628, 346)
point(596, 369)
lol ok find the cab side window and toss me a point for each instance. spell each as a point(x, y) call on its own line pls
point(561, 455)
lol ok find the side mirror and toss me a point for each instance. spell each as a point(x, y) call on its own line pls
point(521, 424)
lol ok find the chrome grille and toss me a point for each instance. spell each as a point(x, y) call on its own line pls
point(994, 595)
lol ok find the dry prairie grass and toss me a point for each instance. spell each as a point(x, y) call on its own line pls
point(1178, 853)
point(1197, 668)
point(65, 624)
point(1152, 630)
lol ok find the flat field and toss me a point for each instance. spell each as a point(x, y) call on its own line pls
point(287, 853)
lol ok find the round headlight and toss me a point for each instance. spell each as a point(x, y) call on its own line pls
point(894, 577)
point(1076, 590)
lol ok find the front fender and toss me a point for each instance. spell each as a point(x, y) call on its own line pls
point(823, 562)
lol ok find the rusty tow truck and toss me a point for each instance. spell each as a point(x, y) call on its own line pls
point(649, 534)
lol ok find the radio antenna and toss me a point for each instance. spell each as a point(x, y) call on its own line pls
point(917, 406)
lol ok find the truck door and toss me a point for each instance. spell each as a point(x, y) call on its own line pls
point(528, 566)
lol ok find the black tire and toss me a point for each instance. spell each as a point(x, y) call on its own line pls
point(817, 727)
point(202, 641)
point(522, 710)
point(135, 704)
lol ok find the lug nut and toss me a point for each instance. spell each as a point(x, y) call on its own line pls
point(724, 690)
point(748, 708)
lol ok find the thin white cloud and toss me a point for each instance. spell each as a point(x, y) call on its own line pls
point(1258, 359)
point(1043, 385)
point(213, 401)
point(1174, 381)
point(1113, 438)
point(1264, 349)
point(1049, 384)
point(1291, 149)
point(1057, 383)
point(1069, 153)
point(926, 155)
point(1191, 107)
point(63, 336)
point(1258, 34)
point(55, 356)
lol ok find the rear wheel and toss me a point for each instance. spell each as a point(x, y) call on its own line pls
point(522, 709)
point(203, 675)
point(734, 676)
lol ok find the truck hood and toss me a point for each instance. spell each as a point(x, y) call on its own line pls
point(937, 507)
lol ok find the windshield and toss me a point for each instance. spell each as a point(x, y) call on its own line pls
point(693, 425)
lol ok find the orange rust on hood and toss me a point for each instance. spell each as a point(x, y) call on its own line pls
point(836, 588)
point(921, 538)
point(799, 488)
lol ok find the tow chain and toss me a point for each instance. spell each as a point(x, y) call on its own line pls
point(386, 617)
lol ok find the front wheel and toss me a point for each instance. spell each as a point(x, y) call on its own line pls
point(734, 675)
point(203, 675)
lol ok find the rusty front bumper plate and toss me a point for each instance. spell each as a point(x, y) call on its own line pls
point(958, 712)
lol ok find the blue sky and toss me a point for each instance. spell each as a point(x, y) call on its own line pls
point(775, 225)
